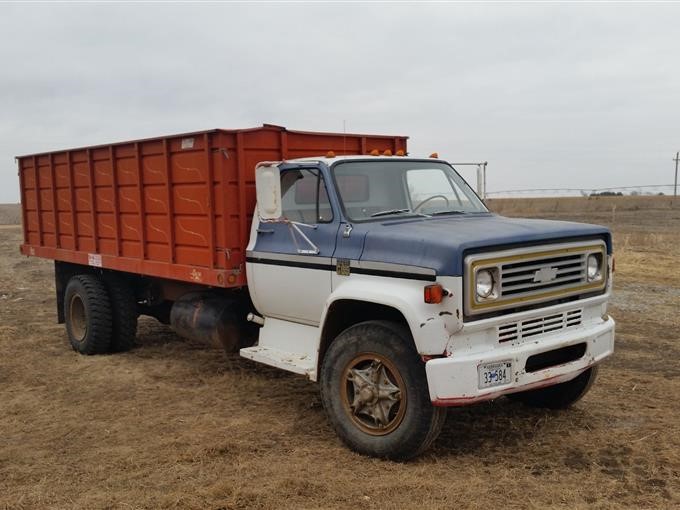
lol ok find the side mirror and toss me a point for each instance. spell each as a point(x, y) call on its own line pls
point(268, 191)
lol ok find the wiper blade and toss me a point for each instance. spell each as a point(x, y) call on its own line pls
point(390, 211)
point(450, 211)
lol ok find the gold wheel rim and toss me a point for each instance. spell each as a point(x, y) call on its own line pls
point(373, 393)
point(77, 318)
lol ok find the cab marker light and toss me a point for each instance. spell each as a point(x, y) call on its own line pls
point(330, 154)
point(387, 152)
point(434, 155)
point(401, 152)
point(375, 152)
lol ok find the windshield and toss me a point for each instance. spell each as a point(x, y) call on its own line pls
point(378, 189)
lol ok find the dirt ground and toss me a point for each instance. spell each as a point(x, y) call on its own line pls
point(10, 214)
point(172, 424)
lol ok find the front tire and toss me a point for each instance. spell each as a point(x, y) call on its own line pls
point(87, 311)
point(559, 396)
point(374, 391)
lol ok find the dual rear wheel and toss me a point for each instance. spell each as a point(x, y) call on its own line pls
point(101, 315)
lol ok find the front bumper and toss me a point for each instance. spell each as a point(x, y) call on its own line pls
point(453, 380)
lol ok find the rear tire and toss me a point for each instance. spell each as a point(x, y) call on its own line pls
point(374, 390)
point(559, 396)
point(87, 312)
point(124, 308)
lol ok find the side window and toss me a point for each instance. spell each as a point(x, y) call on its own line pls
point(304, 197)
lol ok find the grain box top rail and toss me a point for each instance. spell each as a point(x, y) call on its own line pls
point(272, 127)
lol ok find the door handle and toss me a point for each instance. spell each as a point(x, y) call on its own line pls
point(347, 231)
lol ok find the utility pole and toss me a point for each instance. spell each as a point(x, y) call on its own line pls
point(675, 186)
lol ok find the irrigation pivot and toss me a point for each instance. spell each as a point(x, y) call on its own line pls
point(675, 185)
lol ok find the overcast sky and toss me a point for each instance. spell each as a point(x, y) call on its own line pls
point(552, 96)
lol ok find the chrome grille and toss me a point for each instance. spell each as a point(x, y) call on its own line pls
point(528, 276)
point(537, 274)
point(516, 331)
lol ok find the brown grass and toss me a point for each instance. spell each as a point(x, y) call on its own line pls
point(173, 424)
point(581, 205)
point(10, 214)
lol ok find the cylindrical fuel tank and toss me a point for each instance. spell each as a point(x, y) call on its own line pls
point(208, 318)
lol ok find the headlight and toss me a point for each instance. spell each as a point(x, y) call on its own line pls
point(485, 283)
point(594, 267)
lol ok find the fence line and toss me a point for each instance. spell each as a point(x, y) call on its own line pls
point(581, 191)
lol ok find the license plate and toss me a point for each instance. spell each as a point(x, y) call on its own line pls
point(494, 374)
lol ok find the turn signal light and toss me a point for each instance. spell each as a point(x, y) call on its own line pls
point(330, 154)
point(434, 155)
point(375, 152)
point(387, 152)
point(434, 293)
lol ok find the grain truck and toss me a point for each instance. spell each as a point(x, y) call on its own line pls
point(340, 257)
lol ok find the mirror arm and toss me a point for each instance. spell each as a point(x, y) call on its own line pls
point(288, 222)
point(294, 226)
point(307, 225)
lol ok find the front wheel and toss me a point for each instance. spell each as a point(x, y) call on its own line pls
point(559, 396)
point(374, 390)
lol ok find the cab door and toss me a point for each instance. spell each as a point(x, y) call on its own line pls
point(289, 266)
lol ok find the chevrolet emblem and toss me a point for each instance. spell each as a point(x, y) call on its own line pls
point(545, 274)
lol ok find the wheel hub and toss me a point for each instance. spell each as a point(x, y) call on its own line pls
point(373, 394)
point(78, 318)
point(367, 394)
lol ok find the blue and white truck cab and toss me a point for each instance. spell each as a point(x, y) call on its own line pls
point(387, 280)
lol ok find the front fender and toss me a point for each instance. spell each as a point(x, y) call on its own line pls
point(431, 325)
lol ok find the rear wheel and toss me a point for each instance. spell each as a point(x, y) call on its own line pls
point(87, 310)
point(374, 390)
point(124, 308)
point(559, 396)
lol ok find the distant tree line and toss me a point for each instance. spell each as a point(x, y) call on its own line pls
point(606, 194)
point(620, 194)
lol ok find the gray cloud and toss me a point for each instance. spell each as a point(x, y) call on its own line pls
point(550, 95)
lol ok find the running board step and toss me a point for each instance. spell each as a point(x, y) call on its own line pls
point(291, 361)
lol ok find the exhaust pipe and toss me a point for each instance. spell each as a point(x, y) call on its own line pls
point(256, 319)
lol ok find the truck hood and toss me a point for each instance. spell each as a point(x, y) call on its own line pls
point(442, 243)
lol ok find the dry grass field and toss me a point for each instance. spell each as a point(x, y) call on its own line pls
point(172, 424)
point(10, 214)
